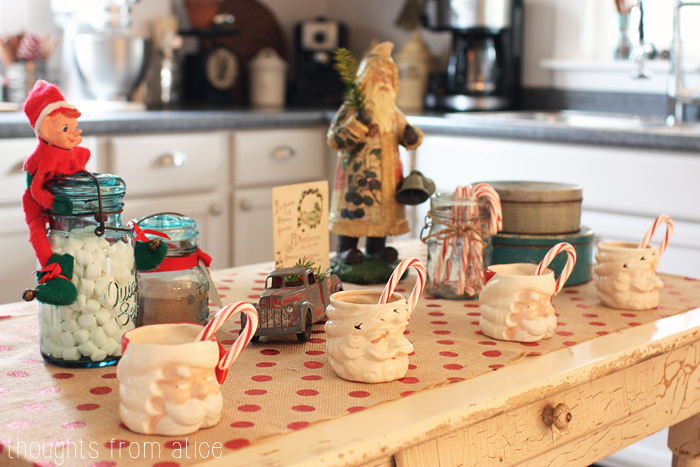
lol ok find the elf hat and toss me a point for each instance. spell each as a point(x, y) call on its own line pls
point(43, 99)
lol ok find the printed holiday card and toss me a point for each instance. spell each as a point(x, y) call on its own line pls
point(300, 223)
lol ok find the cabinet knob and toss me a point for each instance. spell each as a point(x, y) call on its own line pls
point(215, 210)
point(170, 159)
point(559, 416)
point(246, 205)
point(283, 152)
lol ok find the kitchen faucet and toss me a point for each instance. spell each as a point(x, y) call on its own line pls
point(638, 54)
point(678, 94)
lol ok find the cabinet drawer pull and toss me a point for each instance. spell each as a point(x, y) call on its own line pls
point(16, 169)
point(559, 416)
point(246, 205)
point(283, 152)
point(170, 159)
point(216, 209)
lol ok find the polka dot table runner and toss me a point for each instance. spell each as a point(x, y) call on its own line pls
point(62, 416)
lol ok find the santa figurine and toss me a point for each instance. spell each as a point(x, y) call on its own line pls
point(55, 123)
point(367, 131)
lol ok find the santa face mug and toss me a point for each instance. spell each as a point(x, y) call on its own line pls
point(365, 338)
point(625, 276)
point(170, 375)
point(625, 273)
point(365, 329)
point(516, 302)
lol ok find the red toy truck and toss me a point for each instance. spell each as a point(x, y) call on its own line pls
point(293, 300)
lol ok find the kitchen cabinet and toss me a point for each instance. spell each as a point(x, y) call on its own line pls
point(182, 173)
point(19, 261)
point(221, 179)
point(623, 189)
point(262, 159)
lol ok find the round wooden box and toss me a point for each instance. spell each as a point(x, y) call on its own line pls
point(518, 248)
point(539, 207)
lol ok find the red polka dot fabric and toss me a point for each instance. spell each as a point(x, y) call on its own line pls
point(277, 385)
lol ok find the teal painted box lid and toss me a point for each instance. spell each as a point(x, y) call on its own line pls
point(521, 248)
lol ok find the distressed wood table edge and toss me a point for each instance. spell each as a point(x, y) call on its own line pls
point(372, 436)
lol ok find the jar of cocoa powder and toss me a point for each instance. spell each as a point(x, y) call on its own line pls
point(177, 291)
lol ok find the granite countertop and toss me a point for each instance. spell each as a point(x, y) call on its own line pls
point(14, 125)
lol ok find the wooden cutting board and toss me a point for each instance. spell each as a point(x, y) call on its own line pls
point(258, 29)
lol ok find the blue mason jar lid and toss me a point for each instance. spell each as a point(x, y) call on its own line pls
point(183, 231)
point(81, 189)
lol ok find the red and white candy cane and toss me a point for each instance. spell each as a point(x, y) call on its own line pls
point(650, 233)
point(566, 272)
point(484, 190)
point(396, 277)
point(244, 337)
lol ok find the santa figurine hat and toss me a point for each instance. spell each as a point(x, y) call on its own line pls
point(43, 99)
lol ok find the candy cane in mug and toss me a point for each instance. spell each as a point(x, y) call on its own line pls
point(568, 268)
point(246, 335)
point(650, 233)
point(396, 277)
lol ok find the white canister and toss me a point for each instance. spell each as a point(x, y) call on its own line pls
point(267, 80)
point(414, 63)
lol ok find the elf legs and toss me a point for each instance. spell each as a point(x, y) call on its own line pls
point(54, 278)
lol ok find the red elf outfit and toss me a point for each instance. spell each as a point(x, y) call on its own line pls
point(48, 161)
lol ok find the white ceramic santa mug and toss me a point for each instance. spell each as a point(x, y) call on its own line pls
point(516, 302)
point(625, 273)
point(170, 375)
point(365, 329)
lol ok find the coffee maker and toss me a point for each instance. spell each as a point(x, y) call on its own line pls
point(315, 80)
point(484, 65)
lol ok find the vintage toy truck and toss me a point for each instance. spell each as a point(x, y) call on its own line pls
point(293, 300)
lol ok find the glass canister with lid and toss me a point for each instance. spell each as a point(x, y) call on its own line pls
point(88, 332)
point(178, 290)
point(459, 245)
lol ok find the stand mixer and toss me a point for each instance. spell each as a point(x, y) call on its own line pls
point(101, 58)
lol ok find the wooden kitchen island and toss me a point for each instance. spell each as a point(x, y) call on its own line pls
point(612, 377)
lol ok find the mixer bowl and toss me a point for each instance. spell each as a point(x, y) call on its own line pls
point(111, 65)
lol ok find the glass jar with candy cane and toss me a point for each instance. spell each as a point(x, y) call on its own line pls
point(459, 227)
point(88, 332)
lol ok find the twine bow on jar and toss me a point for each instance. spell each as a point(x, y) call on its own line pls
point(452, 230)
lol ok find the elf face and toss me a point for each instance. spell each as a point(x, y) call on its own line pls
point(61, 131)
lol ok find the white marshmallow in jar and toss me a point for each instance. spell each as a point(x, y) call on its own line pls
point(88, 333)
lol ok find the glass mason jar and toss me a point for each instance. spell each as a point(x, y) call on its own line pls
point(459, 245)
point(177, 291)
point(88, 333)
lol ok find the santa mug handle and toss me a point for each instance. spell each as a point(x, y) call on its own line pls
point(244, 337)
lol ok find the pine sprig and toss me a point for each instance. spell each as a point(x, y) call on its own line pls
point(305, 262)
point(346, 66)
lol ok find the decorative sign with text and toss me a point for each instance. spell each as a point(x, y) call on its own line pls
point(300, 224)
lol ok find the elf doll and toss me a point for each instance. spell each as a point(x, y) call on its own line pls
point(55, 123)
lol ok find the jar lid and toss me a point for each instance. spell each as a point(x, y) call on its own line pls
point(521, 191)
point(183, 231)
point(81, 189)
point(447, 204)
